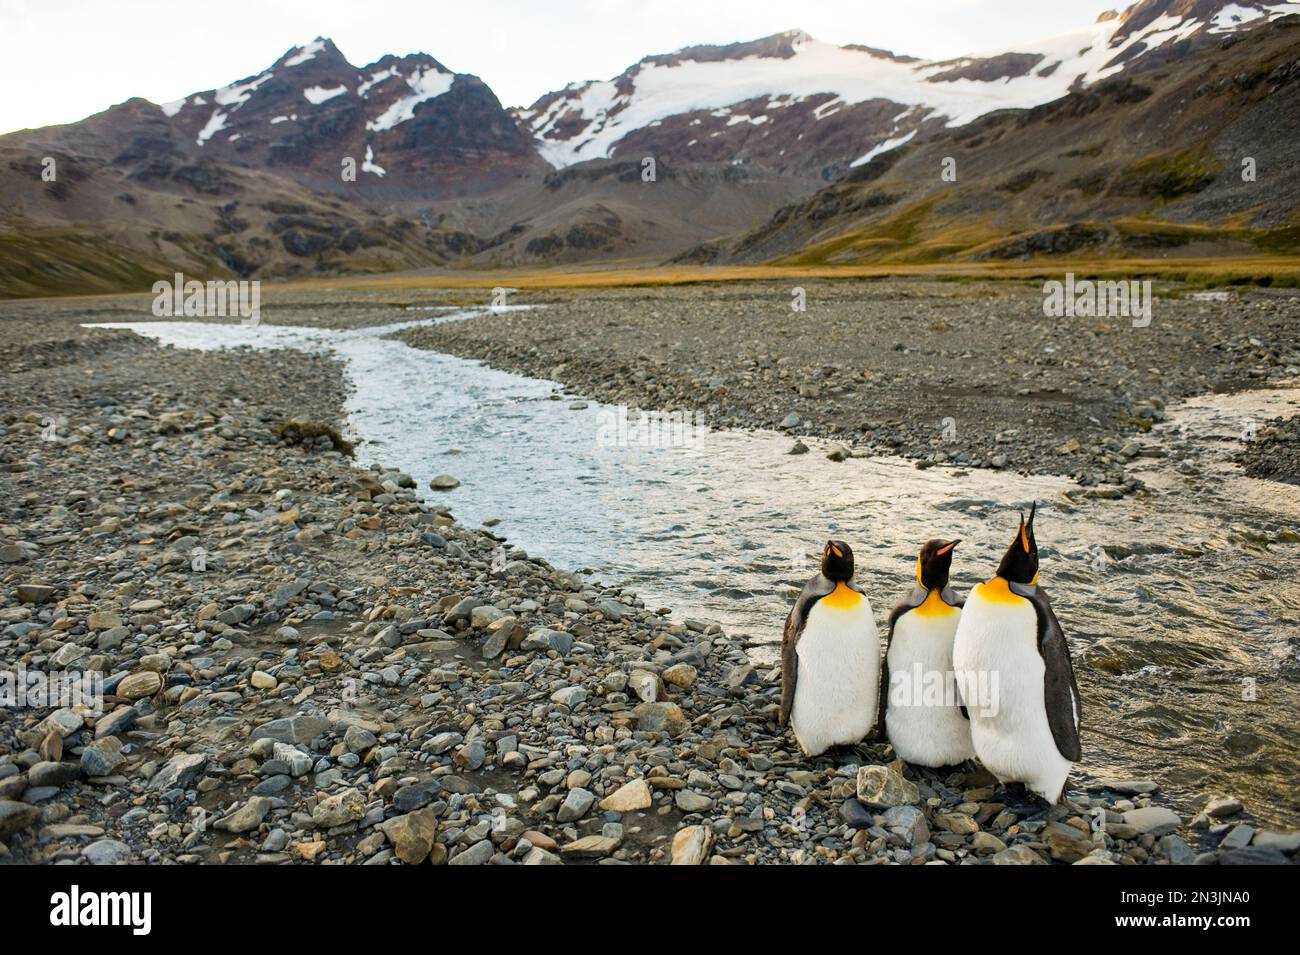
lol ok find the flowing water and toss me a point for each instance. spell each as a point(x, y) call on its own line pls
point(1182, 608)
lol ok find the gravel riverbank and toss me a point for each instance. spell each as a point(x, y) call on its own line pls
point(942, 372)
point(345, 674)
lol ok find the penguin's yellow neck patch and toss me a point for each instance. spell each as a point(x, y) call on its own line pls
point(933, 606)
point(842, 597)
point(998, 590)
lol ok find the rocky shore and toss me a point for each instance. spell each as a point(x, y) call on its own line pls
point(1274, 454)
point(309, 662)
point(967, 373)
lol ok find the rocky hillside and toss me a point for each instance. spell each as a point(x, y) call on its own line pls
point(316, 167)
point(1194, 157)
point(806, 107)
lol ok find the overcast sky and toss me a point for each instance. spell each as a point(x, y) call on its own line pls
point(61, 60)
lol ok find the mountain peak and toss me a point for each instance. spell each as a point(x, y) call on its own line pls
point(322, 48)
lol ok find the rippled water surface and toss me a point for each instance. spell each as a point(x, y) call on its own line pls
point(1182, 608)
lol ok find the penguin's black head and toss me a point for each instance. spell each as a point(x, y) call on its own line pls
point(933, 564)
point(1020, 563)
point(837, 562)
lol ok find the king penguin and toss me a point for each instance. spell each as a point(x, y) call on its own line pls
point(924, 718)
point(830, 659)
point(1013, 670)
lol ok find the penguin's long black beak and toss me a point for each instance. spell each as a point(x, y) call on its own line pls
point(947, 548)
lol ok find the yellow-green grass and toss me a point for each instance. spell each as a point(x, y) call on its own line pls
point(1262, 270)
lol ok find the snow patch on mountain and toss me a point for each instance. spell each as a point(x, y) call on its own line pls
point(375, 79)
point(1234, 16)
point(216, 123)
point(319, 94)
point(237, 94)
point(884, 147)
point(426, 83)
point(306, 53)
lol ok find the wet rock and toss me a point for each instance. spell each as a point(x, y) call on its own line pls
point(1126, 787)
point(1287, 842)
point(1221, 807)
point(1153, 820)
point(1238, 837)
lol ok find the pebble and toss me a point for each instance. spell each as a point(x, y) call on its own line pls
point(357, 678)
point(575, 805)
point(630, 797)
point(881, 787)
point(1153, 820)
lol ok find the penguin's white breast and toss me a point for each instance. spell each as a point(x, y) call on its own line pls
point(995, 654)
point(925, 639)
point(839, 664)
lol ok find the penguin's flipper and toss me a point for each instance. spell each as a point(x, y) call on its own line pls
point(789, 668)
point(1060, 691)
point(882, 696)
point(813, 591)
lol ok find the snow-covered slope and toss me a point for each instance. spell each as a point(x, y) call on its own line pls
point(420, 127)
point(790, 83)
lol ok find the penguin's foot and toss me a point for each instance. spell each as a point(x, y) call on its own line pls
point(1016, 793)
